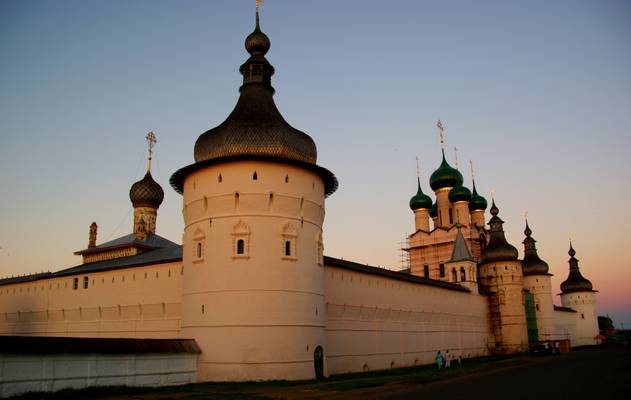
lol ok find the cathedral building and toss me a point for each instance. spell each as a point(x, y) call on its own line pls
point(249, 294)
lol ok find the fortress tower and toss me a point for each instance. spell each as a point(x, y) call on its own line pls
point(577, 293)
point(501, 278)
point(537, 282)
point(253, 284)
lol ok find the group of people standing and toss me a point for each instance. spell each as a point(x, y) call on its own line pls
point(444, 360)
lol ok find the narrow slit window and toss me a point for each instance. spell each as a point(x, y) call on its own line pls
point(288, 248)
point(219, 178)
point(426, 271)
point(441, 268)
point(255, 176)
point(240, 247)
point(198, 251)
point(463, 275)
point(451, 216)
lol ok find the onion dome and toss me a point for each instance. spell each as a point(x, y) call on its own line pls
point(532, 264)
point(420, 199)
point(146, 193)
point(575, 282)
point(433, 211)
point(445, 176)
point(255, 129)
point(459, 193)
point(477, 202)
point(257, 41)
point(498, 248)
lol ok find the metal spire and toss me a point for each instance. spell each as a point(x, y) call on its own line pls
point(456, 155)
point(439, 125)
point(151, 141)
point(418, 168)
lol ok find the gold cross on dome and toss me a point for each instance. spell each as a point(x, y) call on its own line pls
point(439, 125)
point(258, 4)
point(151, 141)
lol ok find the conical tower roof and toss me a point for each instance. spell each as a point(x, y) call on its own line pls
point(532, 264)
point(255, 129)
point(575, 281)
point(498, 248)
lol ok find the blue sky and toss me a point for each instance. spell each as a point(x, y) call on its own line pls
point(537, 93)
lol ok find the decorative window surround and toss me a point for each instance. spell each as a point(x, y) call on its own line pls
point(241, 232)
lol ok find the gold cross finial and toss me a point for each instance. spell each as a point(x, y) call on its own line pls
point(418, 168)
point(493, 193)
point(151, 141)
point(472, 173)
point(456, 155)
point(439, 125)
point(258, 4)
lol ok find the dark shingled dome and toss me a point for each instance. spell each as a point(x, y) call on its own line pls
point(255, 127)
point(532, 264)
point(498, 248)
point(575, 282)
point(146, 193)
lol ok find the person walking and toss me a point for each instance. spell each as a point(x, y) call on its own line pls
point(439, 359)
point(447, 359)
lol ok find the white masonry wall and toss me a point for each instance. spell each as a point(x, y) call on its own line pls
point(375, 322)
point(51, 372)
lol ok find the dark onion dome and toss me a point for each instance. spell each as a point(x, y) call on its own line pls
point(459, 193)
point(255, 129)
point(445, 176)
point(420, 199)
point(477, 202)
point(575, 282)
point(532, 264)
point(498, 248)
point(146, 193)
point(433, 211)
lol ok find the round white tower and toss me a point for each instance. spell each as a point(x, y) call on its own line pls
point(577, 293)
point(253, 284)
point(501, 279)
point(537, 281)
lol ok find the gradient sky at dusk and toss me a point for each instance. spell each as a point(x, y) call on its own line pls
point(537, 93)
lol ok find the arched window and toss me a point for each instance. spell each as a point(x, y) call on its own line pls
point(240, 240)
point(426, 271)
point(198, 243)
point(441, 270)
point(454, 275)
point(463, 275)
point(289, 235)
point(255, 176)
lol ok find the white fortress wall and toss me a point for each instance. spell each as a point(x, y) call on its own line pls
point(376, 322)
point(138, 302)
point(565, 325)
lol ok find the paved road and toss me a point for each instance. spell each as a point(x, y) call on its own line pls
point(583, 374)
